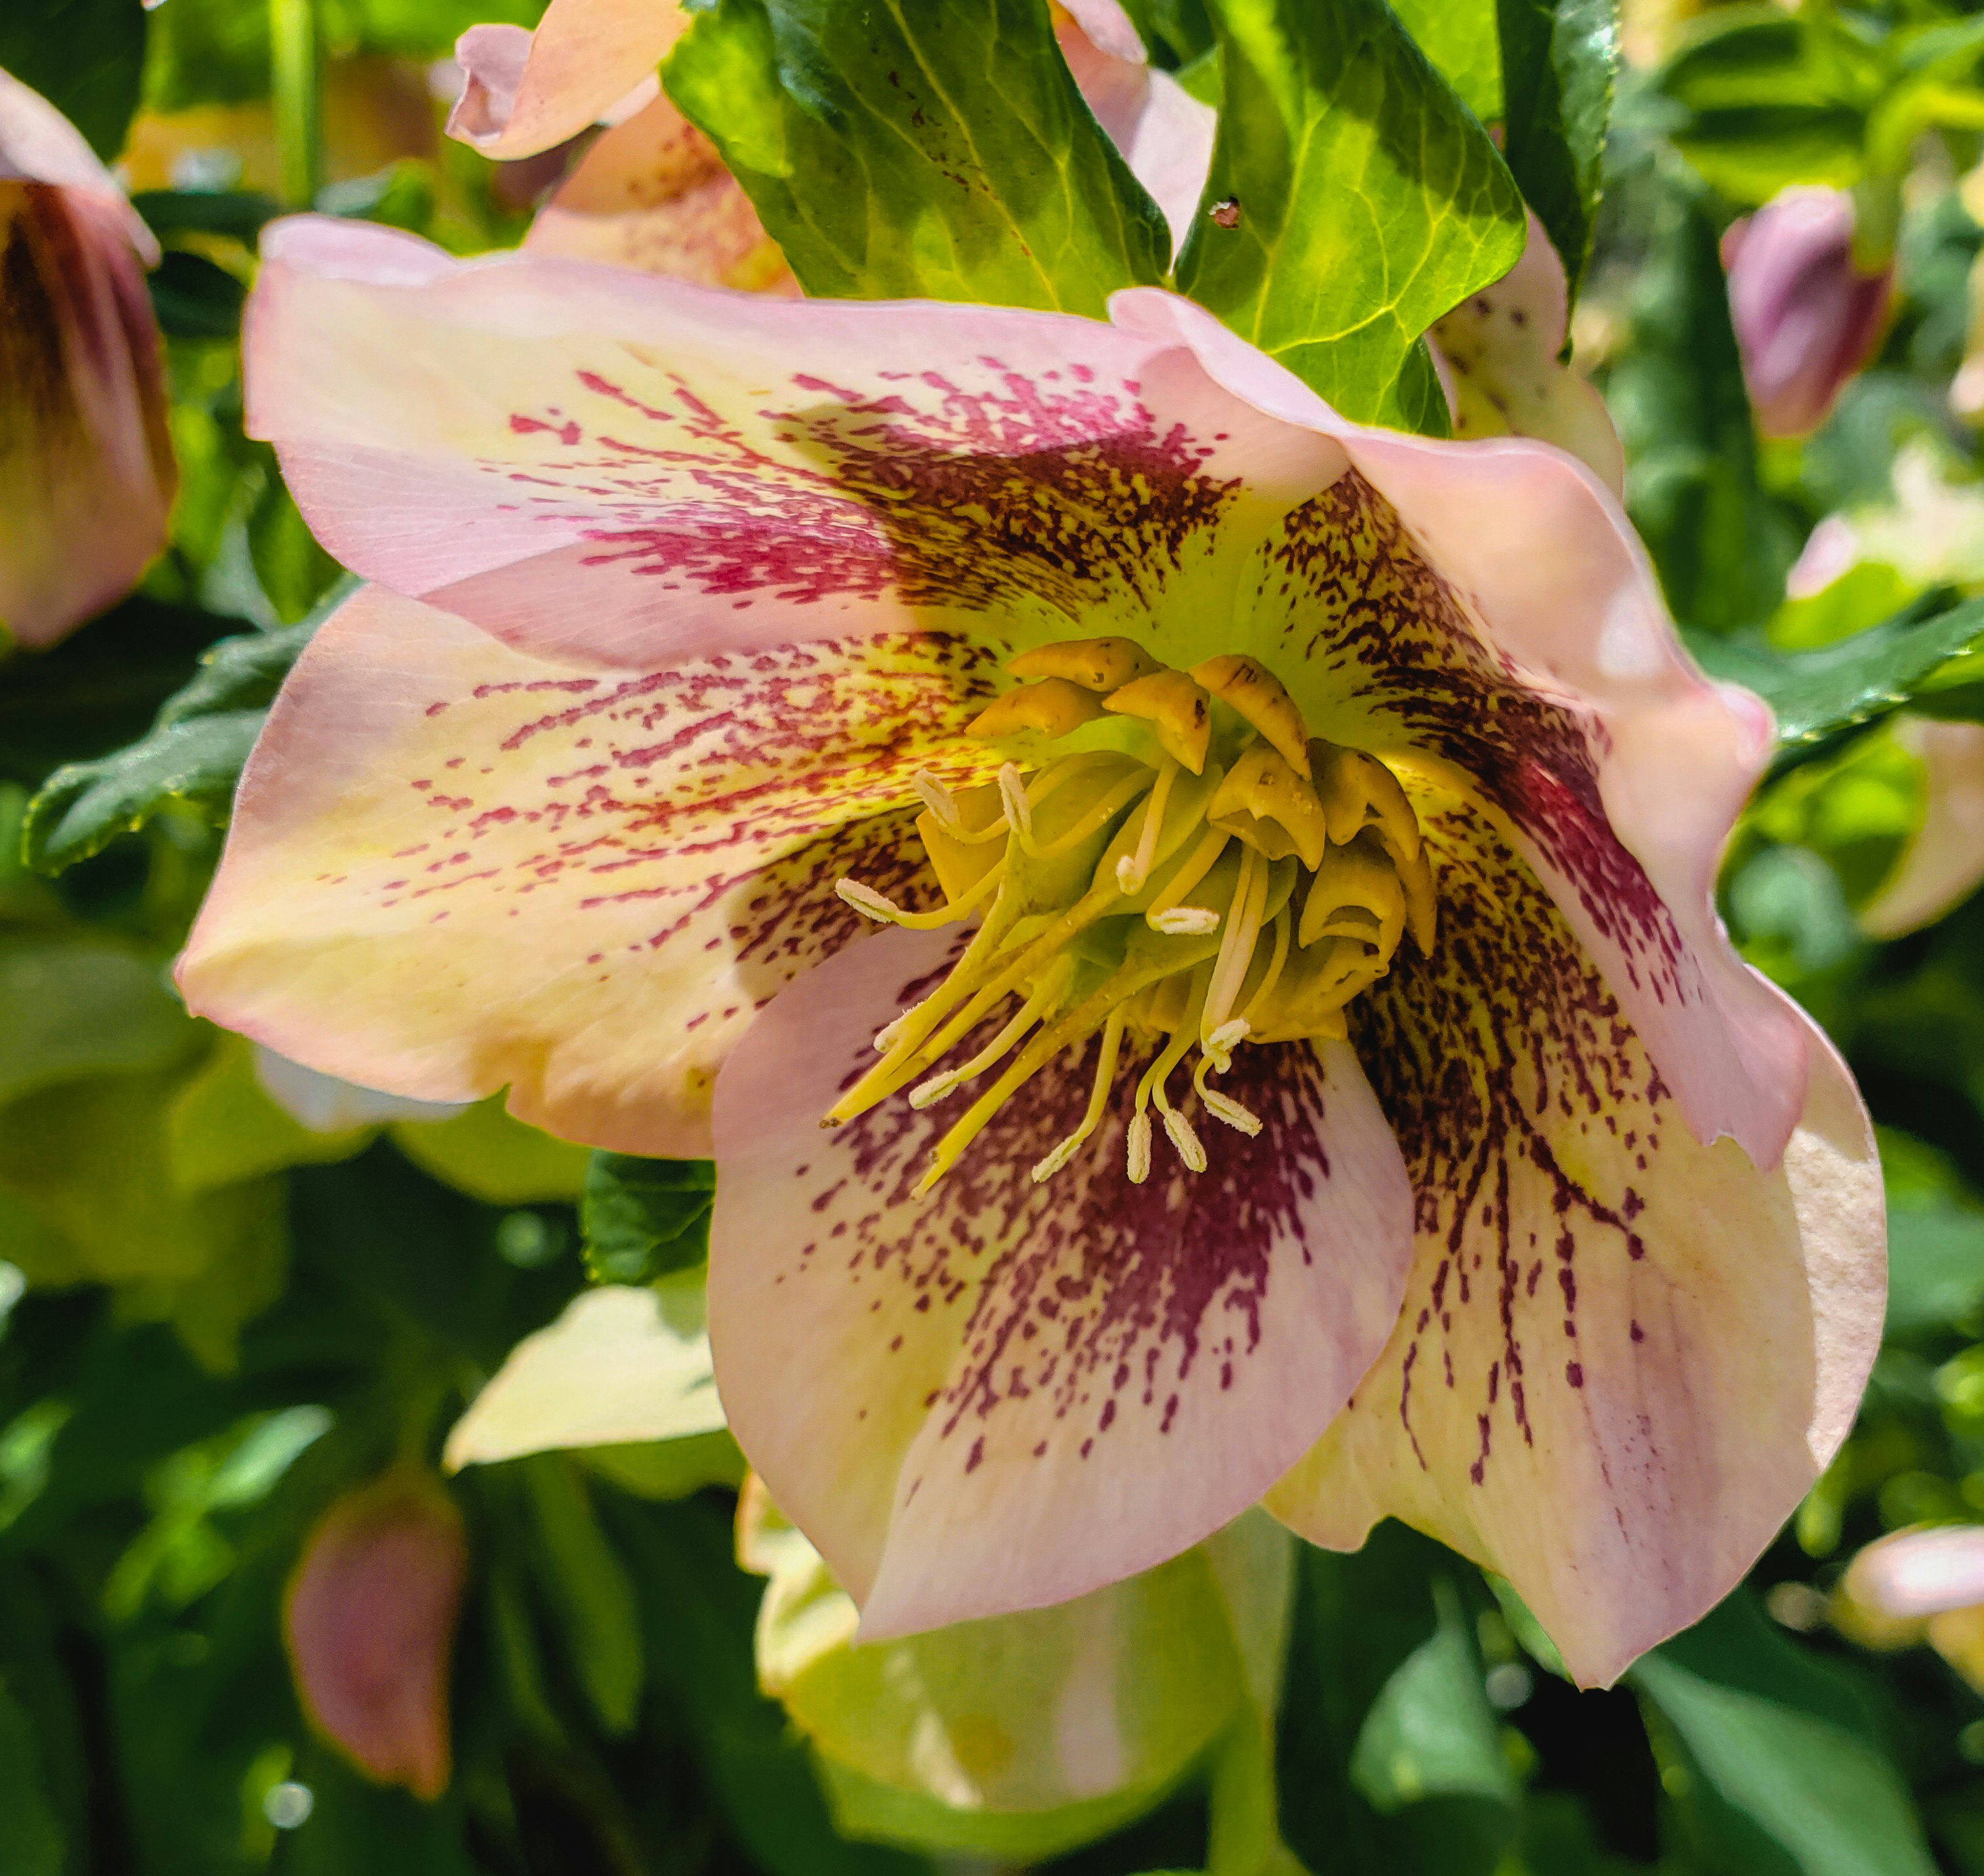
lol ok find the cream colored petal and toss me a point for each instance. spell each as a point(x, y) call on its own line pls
point(453, 866)
point(1944, 863)
point(623, 1364)
point(1624, 1356)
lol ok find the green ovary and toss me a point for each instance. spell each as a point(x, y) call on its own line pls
point(1228, 880)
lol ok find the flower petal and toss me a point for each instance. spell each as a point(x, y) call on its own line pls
point(453, 866)
point(1624, 1356)
point(1488, 604)
point(1165, 134)
point(653, 194)
point(527, 91)
point(86, 474)
point(1007, 1394)
point(1944, 863)
point(583, 459)
point(623, 1363)
point(1498, 354)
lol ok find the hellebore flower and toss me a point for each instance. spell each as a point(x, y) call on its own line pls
point(1925, 1585)
point(86, 473)
point(1807, 315)
point(369, 1620)
point(1304, 1017)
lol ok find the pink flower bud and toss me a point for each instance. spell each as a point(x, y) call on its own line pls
point(369, 1618)
point(1806, 316)
point(86, 474)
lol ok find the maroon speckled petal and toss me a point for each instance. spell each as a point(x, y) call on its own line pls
point(1624, 1356)
point(1005, 1394)
point(454, 866)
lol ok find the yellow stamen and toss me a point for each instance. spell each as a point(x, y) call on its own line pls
point(1143, 892)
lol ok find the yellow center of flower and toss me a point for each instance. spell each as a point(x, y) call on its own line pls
point(1229, 879)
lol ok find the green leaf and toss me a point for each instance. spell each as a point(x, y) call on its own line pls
point(1820, 696)
point(1936, 1269)
point(239, 214)
point(1430, 1732)
point(86, 57)
point(1362, 1621)
point(644, 1218)
point(1370, 203)
point(1460, 37)
point(587, 1587)
point(899, 150)
point(1678, 398)
point(699, 1612)
point(1559, 58)
point(72, 1008)
point(1781, 1767)
point(193, 752)
point(31, 1841)
point(1768, 98)
point(195, 299)
point(487, 1152)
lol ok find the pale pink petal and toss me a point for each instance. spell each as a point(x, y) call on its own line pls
point(1164, 133)
point(1008, 1393)
point(1488, 605)
point(583, 459)
point(86, 473)
point(653, 193)
point(1916, 1573)
point(455, 867)
point(526, 92)
point(1503, 378)
point(1624, 1356)
point(1944, 863)
point(37, 144)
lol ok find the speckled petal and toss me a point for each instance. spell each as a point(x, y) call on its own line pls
point(1487, 606)
point(1624, 1357)
point(1497, 355)
point(453, 866)
point(586, 459)
point(653, 194)
point(1007, 1394)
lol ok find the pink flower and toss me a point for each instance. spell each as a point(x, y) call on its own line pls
point(1310, 1064)
point(369, 1619)
point(86, 474)
point(1807, 316)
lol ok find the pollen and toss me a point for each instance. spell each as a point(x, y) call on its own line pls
point(1202, 875)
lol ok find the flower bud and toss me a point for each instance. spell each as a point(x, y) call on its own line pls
point(86, 474)
point(1807, 315)
point(369, 1619)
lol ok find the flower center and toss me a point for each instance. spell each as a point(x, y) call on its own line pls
point(1225, 879)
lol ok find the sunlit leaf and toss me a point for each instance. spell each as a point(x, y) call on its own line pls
point(905, 151)
point(1359, 202)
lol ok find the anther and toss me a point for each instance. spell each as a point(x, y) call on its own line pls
point(1187, 1142)
point(1012, 792)
point(1138, 1149)
point(1223, 1107)
point(937, 799)
point(868, 902)
point(1184, 920)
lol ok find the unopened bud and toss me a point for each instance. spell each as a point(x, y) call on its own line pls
point(369, 1619)
point(1807, 316)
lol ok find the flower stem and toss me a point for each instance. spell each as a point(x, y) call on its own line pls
point(296, 92)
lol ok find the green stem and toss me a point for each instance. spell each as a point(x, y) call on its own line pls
point(296, 92)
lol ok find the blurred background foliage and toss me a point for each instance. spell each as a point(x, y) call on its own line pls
point(229, 1298)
